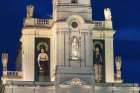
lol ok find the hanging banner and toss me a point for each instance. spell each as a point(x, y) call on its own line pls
point(42, 59)
point(99, 60)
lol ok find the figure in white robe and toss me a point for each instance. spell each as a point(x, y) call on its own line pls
point(107, 14)
point(75, 49)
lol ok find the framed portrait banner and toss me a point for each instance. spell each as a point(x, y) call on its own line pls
point(42, 59)
point(99, 60)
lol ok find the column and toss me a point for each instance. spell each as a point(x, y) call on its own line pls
point(28, 57)
point(109, 62)
point(89, 51)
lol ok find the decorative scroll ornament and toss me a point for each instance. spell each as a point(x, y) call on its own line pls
point(75, 82)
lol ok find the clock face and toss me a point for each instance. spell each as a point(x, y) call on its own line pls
point(74, 25)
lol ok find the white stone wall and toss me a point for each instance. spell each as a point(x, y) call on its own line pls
point(30, 89)
point(69, 1)
point(102, 88)
point(60, 47)
point(28, 51)
point(83, 8)
point(28, 54)
point(64, 48)
point(89, 51)
point(109, 59)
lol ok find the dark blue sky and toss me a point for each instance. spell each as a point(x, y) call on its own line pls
point(126, 22)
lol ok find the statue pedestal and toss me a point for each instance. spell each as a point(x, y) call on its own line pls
point(65, 73)
point(73, 79)
point(118, 81)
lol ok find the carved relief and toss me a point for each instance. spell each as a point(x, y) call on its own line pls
point(75, 82)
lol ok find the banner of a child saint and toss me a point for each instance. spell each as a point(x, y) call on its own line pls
point(99, 60)
point(42, 59)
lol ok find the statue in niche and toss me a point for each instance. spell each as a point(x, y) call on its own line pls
point(107, 14)
point(75, 49)
point(98, 63)
point(30, 10)
point(43, 61)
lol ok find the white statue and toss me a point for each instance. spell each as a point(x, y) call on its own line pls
point(107, 14)
point(75, 48)
point(4, 59)
point(118, 63)
point(30, 10)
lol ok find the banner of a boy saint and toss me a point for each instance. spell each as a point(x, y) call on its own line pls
point(42, 59)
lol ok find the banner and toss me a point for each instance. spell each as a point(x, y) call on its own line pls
point(99, 60)
point(42, 59)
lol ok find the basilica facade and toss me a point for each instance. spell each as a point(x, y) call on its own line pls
point(69, 53)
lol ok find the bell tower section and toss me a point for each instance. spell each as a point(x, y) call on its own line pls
point(62, 9)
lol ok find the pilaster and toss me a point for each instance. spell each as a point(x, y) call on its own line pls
point(28, 56)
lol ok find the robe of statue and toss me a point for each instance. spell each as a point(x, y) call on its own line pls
point(75, 49)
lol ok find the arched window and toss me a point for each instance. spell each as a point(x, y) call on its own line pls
point(74, 1)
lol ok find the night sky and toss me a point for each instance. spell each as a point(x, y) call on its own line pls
point(126, 22)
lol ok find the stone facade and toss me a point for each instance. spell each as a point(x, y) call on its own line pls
point(74, 41)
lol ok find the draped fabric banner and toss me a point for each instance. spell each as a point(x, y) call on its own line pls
point(99, 60)
point(42, 59)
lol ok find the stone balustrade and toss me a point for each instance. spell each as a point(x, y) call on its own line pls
point(99, 24)
point(34, 22)
point(41, 21)
point(14, 74)
point(29, 22)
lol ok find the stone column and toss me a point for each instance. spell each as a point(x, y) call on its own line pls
point(28, 41)
point(109, 62)
point(89, 51)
